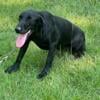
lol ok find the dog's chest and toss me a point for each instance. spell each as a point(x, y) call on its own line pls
point(41, 42)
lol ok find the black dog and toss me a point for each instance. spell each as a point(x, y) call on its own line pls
point(50, 33)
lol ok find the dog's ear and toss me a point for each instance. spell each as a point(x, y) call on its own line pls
point(39, 22)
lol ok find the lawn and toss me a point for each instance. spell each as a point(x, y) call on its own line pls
point(69, 79)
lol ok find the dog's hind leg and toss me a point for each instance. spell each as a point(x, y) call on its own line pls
point(78, 53)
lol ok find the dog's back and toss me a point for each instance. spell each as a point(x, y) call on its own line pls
point(71, 36)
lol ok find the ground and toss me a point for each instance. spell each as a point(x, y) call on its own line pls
point(69, 78)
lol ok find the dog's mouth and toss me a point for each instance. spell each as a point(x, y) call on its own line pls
point(22, 38)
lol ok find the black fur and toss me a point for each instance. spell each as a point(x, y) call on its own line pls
point(50, 33)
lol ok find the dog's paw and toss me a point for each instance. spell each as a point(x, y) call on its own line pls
point(11, 69)
point(42, 74)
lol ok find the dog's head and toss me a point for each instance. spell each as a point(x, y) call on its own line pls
point(30, 22)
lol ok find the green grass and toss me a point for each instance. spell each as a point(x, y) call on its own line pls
point(69, 79)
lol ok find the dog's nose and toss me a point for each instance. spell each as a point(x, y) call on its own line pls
point(18, 29)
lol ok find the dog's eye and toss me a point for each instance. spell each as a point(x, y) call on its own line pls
point(29, 17)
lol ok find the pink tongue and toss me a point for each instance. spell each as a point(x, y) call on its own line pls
point(21, 39)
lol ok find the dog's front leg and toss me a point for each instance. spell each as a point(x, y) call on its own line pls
point(20, 56)
point(50, 57)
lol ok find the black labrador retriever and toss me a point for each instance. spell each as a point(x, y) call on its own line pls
point(50, 33)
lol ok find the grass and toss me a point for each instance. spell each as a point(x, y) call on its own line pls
point(69, 79)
